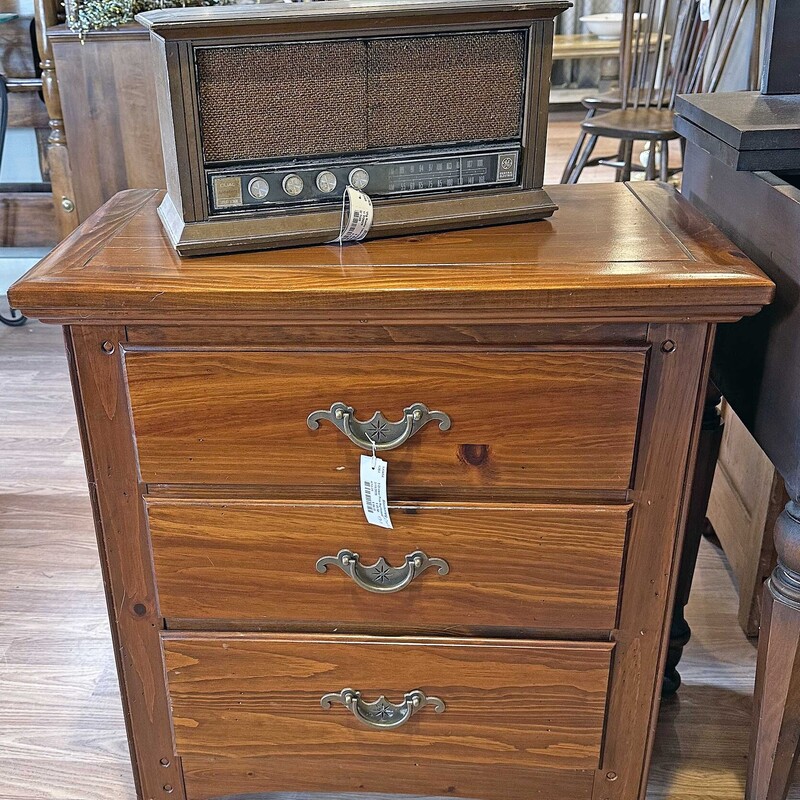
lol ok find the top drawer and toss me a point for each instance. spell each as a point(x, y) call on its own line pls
point(553, 419)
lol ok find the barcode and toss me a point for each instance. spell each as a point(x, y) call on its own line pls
point(372, 483)
point(368, 499)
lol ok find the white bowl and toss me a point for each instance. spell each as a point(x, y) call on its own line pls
point(607, 26)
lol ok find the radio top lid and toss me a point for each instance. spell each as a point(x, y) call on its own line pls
point(171, 23)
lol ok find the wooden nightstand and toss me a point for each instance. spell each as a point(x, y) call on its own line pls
point(535, 539)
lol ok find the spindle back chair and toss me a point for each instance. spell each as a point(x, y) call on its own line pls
point(668, 48)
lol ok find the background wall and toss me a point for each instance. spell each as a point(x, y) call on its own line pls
point(584, 73)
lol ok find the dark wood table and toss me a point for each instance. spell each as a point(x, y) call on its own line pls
point(742, 169)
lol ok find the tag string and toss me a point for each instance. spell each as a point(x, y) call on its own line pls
point(374, 452)
point(341, 223)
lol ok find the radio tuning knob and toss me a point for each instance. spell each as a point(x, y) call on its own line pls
point(326, 181)
point(293, 184)
point(359, 178)
point(258, 188)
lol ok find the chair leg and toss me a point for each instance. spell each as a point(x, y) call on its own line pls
point(664, 161)
point(573, 157)
point(621, 160)
point(650, 172)
point(627, 161)
point(587, 151)
point(576, 151)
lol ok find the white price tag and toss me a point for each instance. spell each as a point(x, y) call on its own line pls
point(374, 497)
point(705, 10)
point(356, 216)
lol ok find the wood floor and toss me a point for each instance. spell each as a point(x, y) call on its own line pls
point(61, 730)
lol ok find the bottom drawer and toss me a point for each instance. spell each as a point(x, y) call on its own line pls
point(470, 718)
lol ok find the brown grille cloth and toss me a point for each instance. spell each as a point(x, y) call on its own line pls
point(349, 96)
point(445, 89)
point(266, 101)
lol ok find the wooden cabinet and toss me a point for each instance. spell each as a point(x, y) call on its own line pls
point(107, 89)
point(506, 638)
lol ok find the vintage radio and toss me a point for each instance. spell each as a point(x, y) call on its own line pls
point(436, 109)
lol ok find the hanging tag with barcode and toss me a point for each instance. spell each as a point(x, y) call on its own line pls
point(374, 497)
point(705, 10)
point(356, 216)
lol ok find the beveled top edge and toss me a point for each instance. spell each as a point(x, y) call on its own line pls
point(119, 266)
point(208, 16)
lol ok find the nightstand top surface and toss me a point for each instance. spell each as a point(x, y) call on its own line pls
point(612, 252)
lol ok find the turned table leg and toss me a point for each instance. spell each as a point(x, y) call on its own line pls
point(707, 454)
point(776, 712)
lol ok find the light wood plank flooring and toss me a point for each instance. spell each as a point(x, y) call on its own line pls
point(61, 730)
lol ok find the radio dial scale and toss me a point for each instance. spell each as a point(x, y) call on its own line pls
point(276, 185)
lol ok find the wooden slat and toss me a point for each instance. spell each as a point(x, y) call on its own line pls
point(388, 335)
point(209, 779)
point(746, 498)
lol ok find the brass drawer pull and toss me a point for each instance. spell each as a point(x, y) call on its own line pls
point(380, 577)
point(378, 432)
point(381, 713)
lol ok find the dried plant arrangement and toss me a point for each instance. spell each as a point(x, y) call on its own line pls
point(91, 15)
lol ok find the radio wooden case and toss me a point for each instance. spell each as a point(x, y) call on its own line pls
point(436, 109)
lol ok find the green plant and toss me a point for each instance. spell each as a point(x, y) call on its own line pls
point(92, 15)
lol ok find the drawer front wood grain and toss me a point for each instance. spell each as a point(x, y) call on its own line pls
point(246, 779)
point(522, 567)
point(561, 419)
point(508, 705)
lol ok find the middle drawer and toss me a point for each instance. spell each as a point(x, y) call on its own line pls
point(465, 567)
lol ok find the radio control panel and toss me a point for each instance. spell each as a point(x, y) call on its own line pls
point(299, 183)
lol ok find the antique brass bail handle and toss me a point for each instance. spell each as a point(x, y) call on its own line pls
point(382, 713)
point(380, 577)
point(378, 432)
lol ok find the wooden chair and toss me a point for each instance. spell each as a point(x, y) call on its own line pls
point(670, 52)
point(594, 103)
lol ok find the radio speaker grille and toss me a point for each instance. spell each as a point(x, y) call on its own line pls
point(445, 89)
point(265, 101)
point(285, 100)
